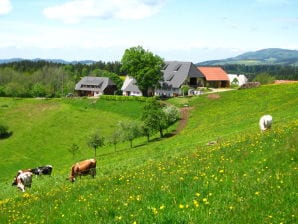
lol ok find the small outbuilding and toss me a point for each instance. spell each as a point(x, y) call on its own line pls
point(95, 86)
point(130, 88)
point(237, 79)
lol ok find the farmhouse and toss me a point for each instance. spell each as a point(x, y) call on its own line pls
point(95, 86)
point(130, 88)
point(237, 79)
point(215, 77)
point(177, 74)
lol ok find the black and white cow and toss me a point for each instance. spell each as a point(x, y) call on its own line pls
point(22, 180)
point(42, 170)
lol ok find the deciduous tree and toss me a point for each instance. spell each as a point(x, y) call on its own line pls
point(96, 141)
point(144, 66)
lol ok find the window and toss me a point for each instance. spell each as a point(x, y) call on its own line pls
point(165, 67)
point(170, 77)
point(177, 67)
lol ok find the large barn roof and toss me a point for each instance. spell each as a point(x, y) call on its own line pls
point(176, 72)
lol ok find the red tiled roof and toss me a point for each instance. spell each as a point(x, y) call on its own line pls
point(214, 73)
point(284, 81)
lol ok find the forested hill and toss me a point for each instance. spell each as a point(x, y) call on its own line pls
point(58, 61)
point(81, 67)
point(41, 78)
point(251, 71)
point(279, 63)
point(270, 56)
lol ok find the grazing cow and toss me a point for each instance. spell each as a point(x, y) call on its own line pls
point(86, 167)
point(45, 170)
point(265, 122)
point(23, 180)
point(23, 171)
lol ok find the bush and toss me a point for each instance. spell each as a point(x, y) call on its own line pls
point(185, 89)
point(4, 132)
point(264, 78)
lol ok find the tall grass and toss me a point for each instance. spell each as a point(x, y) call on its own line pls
point(248, 177)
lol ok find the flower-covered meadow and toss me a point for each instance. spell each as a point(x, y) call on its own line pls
point(246, 177)
point(251, 180)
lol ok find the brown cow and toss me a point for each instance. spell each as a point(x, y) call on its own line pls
point(86, 167)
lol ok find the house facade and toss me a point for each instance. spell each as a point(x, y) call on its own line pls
point(130, 88)
point(237, 79)
point(95, 86)
point(177, 74)
point(215, 77)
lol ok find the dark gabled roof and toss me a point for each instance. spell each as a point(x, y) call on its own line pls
point(176, 72)
point(89, 83)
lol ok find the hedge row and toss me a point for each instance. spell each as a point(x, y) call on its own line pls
point(123, 98)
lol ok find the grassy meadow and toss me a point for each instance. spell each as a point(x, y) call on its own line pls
point(247, 177)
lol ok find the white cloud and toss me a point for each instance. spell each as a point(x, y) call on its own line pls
point(5, 7)
point(77, 10)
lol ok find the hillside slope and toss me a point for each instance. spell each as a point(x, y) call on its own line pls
point(247, 177)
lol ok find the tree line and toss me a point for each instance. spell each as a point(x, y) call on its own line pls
point(251, 71)
point(50, 79)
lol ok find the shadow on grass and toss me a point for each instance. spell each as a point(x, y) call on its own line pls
point(157, 139)
point(6, 135)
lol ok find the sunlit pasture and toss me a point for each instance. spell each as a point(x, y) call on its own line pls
point(246, 177)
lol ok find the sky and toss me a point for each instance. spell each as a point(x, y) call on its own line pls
point(184, 30)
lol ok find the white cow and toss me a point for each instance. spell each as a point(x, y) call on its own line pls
point(265, 122)
point(22, 180)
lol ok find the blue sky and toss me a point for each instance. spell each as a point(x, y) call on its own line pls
point(190, 30)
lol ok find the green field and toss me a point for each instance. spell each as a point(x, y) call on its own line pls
point(247, 177)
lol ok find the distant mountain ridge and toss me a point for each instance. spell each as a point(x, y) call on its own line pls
point(59, 61)
point(269, 56)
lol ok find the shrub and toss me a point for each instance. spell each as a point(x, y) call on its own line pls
point(4, 132)
point(264, 78)
point(185, 89)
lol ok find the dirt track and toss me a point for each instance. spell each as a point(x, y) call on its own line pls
point(184, 118)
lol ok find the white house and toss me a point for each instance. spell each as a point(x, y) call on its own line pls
point(130, 88)
point(237, 79)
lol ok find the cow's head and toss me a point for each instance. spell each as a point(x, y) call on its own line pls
point(71, 178)
point(15, 181)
